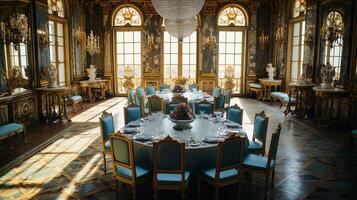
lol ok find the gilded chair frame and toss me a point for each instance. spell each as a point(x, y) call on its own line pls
point(130, 181)
point(128, 94)
point(74, 102)
point(104, 151)
point(179, 99)
point(182, 186)
point(216, 182)
point(235, 106)
point(266, 122)
point(142, 106)
point(126, 112)
point(215, 100)
point(204, 101)
point(155, 98)
point(271, 157)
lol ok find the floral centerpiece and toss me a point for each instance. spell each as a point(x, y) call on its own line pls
point(178, 89)
point(182, 116)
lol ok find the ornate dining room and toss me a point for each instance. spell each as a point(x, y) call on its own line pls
point(178, 99)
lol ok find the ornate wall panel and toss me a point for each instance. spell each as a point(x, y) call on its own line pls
point(151, 55)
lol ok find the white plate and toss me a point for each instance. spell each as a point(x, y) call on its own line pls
point(211, 139)
point(130, 130)
point(134, 124)
point(194, 144)
point(233, 124)
point(142, 137)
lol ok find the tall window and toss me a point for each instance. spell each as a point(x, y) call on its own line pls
point(127, 25)
point(232, 22)
point(57, 37)
point(297, 50)
point(180, 58)
point(18, 57)
point(334, 55)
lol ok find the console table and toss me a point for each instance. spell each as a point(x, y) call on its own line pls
point(269, 86)
point(303, 94)
point(53, 102)
point(101, 84)
point(327, 111)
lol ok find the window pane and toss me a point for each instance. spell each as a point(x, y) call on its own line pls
point(59, 29)
point(295, 55)
point(137, 59)
point(120, 37)
point(120, 59)
point(294, 68)
point(296, 29)
point(137, 48)
point(128, 36)
point(230, 48)
point(185, 59)
point(129, 48)
point(222, 47)
point(60, 54)
point(174, 48)
point(185, 48)
point(62, 73)
point(167, 59)
point(137, 36)
point(230, 36)
point(174, 59)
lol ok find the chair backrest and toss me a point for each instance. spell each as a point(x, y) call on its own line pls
point(106, 126)
point(122, 151)
point(260, 127)
point(219, 101)
point(235, 114)
point(227, 96)
point(131, 96)
point(140, 91)
point(156, 104)
point(205, 106)
point(132, 113)
point(140, 101)
point(171, 107)
point(168, 157)
point(230, 154)
point(193, 87)
point(273, 149)
point(150, 90)
point(164, 87)
point(179, 99)
point(216, 91)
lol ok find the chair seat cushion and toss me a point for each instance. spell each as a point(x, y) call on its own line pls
point(255, 161)
point(125, 172)
point(255, 85)
point(286, 100)
point(279, 95)
point(223, 175)
point(253, 145)
point(76, 98)
point(172, 179)
point(7, 129)
point(107, 146)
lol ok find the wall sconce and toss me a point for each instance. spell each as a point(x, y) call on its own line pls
point(16, 30)
point(81, 38)
point(263, 40)
point(309, 38)
point(279, 35)
point(44, 41)
point(210, 40)
point(150, 41)
point(54, 7)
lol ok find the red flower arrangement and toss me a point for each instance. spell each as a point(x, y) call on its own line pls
point(178, 89)
point(182, 112)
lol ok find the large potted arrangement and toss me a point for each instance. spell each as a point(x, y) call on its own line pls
point(182, 116)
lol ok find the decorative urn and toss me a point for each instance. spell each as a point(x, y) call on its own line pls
point(327, 73)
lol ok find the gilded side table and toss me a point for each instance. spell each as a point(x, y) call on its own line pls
point(329, 102)
point(53, 103)
point(269, 86)
point(303, 95)
point(87, 86)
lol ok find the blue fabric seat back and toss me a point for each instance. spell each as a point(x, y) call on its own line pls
point(227, 96)
point(207, 108)
point(259, 128)
point(121, 151)
point(193, 87)
point(219, 102)
point(216, 91)
point(230, 153)
point(164, 87)
point(76, 98)
point(150, 90)
point(168, 157)
point(108, 126)
point(139, 100)
point(131, 96)
point(133, 114)
point(155, 104)
point(235, 115)
point(140, 91)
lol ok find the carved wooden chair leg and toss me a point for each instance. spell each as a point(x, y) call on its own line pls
point(216, 194)
point(266, 186)
point(105, 163)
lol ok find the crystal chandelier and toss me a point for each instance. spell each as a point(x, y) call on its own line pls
point(332, 31)
point(178, 9)
point(180, 28)
point(92, 44)
point(16, 30)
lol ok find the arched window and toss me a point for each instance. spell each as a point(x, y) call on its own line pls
point(232, 23)
point(127, 22)
point(296, 41)
point(180, 57)
point(57, 31)
point(333, 55)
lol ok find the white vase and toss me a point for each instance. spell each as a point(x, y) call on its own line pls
point(92, 72)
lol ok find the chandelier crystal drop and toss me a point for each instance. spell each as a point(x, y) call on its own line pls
point(180, 28)
point(178, 9)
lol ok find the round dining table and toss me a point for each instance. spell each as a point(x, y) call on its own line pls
point(200, 149)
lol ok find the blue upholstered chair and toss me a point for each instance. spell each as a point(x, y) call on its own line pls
point(132, 113)
point(8, 130)
point(131, 96)
point(227, 97)
point(106, 128)
point(235, 114)
point(216, 91)
point(205, 107)
point(164, 87)
point(259, 134)
point(169, 166)
point(150, 90)
point(140, 101)
point(155, 104)
point(264, 165)
point(74, 98)
point(193, 87)
point(140, 91)
point(229, 165)
point(171, 107)
point(219, 102)
point(124, 168)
